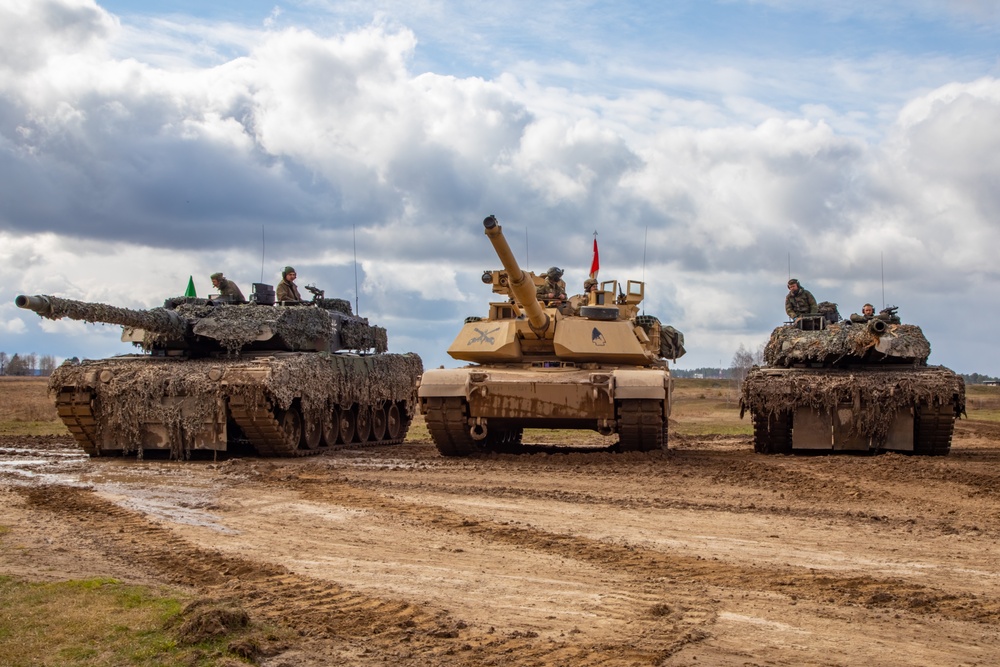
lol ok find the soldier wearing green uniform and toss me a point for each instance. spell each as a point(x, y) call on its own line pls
point(228, 290)
point(799, 301)
point(554, 288)
point(287, 289)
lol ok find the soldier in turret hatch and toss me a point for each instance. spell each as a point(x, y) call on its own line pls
point(287, 290)
point(554, 288)
point(799, 301)
point(867, 313)
point(228, 290)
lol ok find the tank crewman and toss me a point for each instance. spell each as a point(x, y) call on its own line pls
point(799, 301)
point(287, 290)
point(227, 288)
point(554, 287)
point(867, 313)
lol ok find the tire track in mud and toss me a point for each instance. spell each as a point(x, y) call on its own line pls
point(836, 508)
point(676, 577)
point(334, 620)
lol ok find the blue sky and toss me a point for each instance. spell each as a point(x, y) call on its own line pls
point(143, 142)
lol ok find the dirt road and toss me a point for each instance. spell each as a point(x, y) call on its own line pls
point(706, 554)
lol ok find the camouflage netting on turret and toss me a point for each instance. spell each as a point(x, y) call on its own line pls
point(338, 305)
point(235, 327)
point(156, 319)
point(875, 394)
point(846, 343)
point(139, 389)
point(362, 336)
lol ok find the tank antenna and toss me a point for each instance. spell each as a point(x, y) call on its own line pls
point(357, 308)
point(789, 265)
point(881, 260)
point(644, 237)
point(262, 253)
point(527, 249)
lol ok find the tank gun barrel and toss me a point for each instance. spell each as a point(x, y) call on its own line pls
point(877, 326)
point(157, 320)
point(520, 283)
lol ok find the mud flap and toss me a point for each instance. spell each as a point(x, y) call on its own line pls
point(811, 429)
point(209, 432)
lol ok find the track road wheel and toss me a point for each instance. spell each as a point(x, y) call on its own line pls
point(641, 426)
point(379, 423)
point(393, 422)
point(311, 437)
point(348, 425)
point(363, 431)
point(331, 427)
point(290, 422)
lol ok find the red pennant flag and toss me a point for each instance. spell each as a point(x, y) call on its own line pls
point(595, 265)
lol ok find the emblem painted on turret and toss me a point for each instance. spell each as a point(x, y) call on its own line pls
point(484, 336)
point(597, 338)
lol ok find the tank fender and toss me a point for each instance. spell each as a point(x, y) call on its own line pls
point(441, 382)
point(648, 383)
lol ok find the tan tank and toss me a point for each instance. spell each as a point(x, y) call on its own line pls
point(861, 384)
point(590, 362)
point(257, 378)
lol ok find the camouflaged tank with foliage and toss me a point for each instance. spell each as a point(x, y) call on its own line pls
point(287, 379)
point(861, 384)
point(588, 362)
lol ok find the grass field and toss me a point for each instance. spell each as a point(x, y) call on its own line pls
point(700, 407)
point(26, 409)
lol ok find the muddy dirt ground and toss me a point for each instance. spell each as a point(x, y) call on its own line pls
point(706, 554)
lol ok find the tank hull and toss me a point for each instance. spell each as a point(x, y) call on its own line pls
point(268, 404)
point(862, 409)
point(486, 408)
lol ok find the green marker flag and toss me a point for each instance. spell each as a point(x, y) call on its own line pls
point(190, 290)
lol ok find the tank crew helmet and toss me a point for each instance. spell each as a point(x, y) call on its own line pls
point(590, 282)
point(285, 271)
point(216, 276)
point(554, 272)
point(793, 281)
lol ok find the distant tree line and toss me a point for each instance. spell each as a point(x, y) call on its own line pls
point(27, 364)
point(977, 378)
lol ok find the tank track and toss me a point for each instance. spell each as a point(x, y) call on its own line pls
point(772, 434)
point(641, 426)
point(76, 410)
point(446, 421)
point(932, 431)
point(270, 434)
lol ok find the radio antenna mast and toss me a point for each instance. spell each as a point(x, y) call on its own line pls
point(262, 253)
point(357, 308)
point(527, 249)
point(789, 265)
point(644, 237)
point(881, 259)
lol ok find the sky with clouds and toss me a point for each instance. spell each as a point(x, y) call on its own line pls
point(715, 147)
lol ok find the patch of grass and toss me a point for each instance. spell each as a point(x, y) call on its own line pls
point(983, 415)
point(100, 623)
point(26, 409)
point(418, 430)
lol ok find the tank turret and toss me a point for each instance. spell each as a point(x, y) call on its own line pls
point(859, 384)
point(588, 362)
point(273, 380)
point(198, 327)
